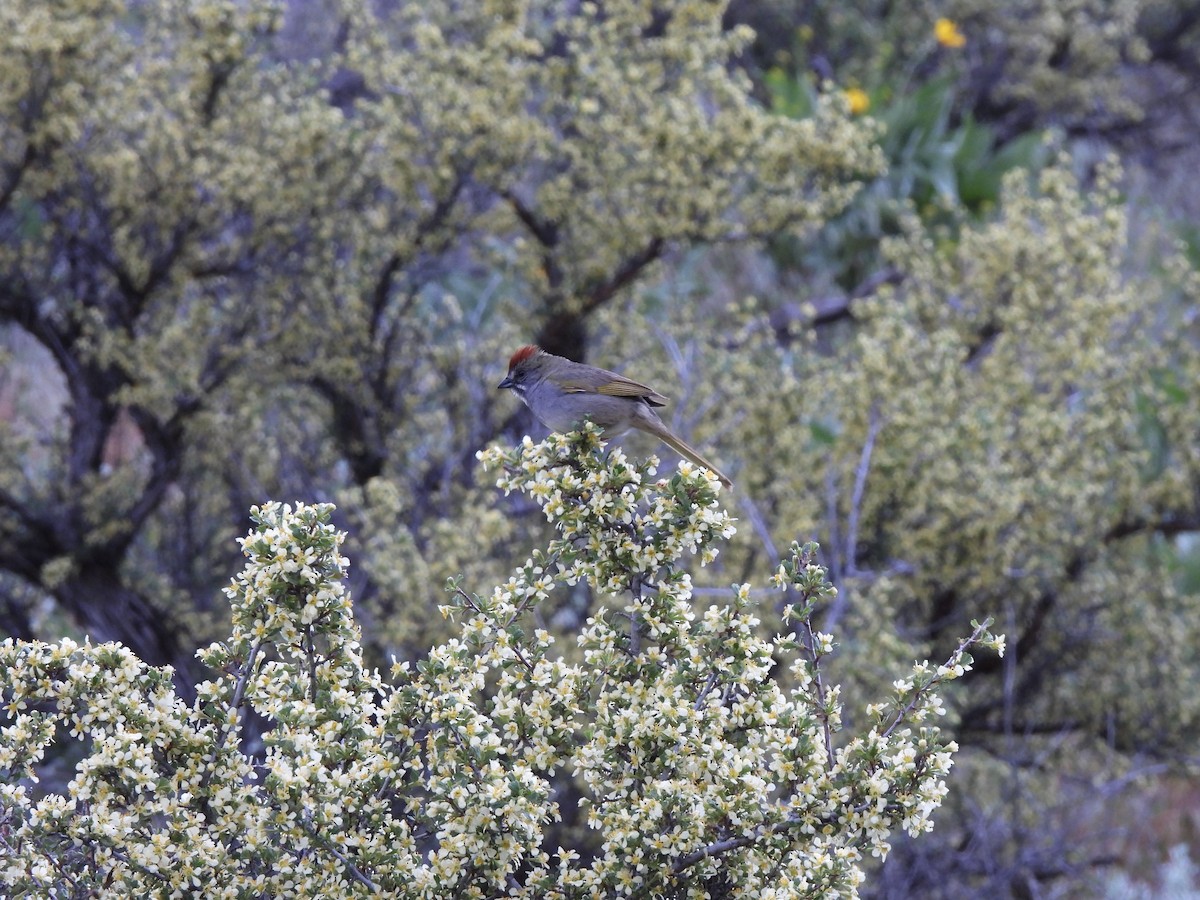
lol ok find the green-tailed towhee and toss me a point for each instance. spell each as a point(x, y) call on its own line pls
point(562, 394)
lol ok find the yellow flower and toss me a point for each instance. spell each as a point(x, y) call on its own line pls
point(947, 33)
point(858, 100)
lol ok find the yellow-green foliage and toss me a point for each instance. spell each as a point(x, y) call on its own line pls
point(298, 269)
point(983, 439)
point(1063, 59)
point(697, 771)
point(1060, 61)
point(1002, 433)
point(1009, 430)
point(203, 233)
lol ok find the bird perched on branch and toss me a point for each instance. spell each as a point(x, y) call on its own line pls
point(562, 394)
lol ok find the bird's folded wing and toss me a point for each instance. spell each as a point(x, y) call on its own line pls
point(616, 386)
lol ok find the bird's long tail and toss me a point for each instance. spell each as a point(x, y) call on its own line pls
point(683, 448)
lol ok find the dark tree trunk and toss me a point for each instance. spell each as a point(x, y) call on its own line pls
point(108, 610)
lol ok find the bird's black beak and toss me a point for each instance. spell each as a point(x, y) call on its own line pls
point(506, 383)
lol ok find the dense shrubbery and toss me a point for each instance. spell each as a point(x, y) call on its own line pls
point(248, 252)
point(695, 770)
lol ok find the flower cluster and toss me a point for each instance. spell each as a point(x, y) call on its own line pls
point(694, 767)
point(947, 34)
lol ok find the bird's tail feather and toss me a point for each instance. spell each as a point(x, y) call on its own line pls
point(686, 450)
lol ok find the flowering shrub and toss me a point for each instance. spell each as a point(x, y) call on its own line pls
point(697, 769)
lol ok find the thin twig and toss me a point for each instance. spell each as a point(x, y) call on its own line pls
point(757, 520)
point(471, 604)
point(312, 662)
point(717, 848)
point(708, 686)
point(831, 510)
point(856, 497)
point(634, 633)
point(850, 563)
point(937, 679)
point(306, 820)
point(235, 703)
point(823, 715)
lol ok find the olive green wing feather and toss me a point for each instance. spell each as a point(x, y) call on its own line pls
point(616, 386)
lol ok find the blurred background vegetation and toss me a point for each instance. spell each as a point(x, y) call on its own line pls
point(921, 276)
